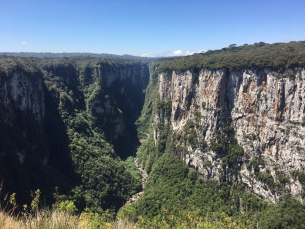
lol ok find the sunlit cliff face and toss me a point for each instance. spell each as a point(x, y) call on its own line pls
point(266, 112)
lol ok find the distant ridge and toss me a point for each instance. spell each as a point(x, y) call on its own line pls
point(74, 54)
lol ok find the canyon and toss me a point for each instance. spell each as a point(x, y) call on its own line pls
point(69, 122)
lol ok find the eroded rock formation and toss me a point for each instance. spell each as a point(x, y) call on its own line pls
point(265, 110)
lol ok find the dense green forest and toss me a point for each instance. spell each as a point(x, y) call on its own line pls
point(75, 54)
point(278, 56)
point(176, 195)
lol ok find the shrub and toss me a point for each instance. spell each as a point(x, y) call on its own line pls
point(68, 206)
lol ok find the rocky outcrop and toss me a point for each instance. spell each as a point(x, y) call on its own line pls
point(21, 91)
point(266, 115)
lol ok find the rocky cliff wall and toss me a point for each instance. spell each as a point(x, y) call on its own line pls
point(263, 109)
point(23, 92)
point(113, 94)
point(65, 121)
point(24, 146)
point(98, 104)
point(116, 100)
point(22, 109)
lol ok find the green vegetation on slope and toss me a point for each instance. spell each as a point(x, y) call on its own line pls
point(131, 168)
point(103, 181)
point(76, 140)
point(176, 196)
point(278, 56)
point(174, 191)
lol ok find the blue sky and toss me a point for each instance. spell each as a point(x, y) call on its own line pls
point(152, 27)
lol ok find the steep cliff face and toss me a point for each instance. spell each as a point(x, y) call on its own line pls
point(22, 110)
point(64, 122)
point(23, 141)
point(262, 109)
point(24, 92)
point(112, 94)
point(116, 100)
point(98, 102)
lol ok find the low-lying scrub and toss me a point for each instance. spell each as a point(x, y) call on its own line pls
point(56, 219)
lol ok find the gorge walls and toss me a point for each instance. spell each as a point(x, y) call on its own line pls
point(64, 122)
point(260, 108)
point(234, 116)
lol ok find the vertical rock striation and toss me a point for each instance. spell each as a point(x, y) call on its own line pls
point(265, 110)
point(22, 109)
point(116, 101)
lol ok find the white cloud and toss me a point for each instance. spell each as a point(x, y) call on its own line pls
point(181, 53)
point(174, 53)
point(23, 43)
point(177, 52)
point(189, 53)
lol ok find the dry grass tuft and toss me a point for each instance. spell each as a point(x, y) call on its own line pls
point(54, 219)
point(43, 219)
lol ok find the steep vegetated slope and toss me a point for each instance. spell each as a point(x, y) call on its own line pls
point(64, 122)
point(235, 117)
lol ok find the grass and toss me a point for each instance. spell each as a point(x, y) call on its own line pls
point(55, 219)
point(51, 219)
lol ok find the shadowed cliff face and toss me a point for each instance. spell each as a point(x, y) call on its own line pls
point(118, 103)
point(60, 117)
point(24, 146)
point(262, 109)
point(22, 99)
point(112, 95)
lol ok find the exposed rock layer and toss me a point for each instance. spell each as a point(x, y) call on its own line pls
point(266, 109)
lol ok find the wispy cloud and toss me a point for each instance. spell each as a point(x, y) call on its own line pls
point(181, 53)
point(23, 43)
point(174, 53)
point(178, 52)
